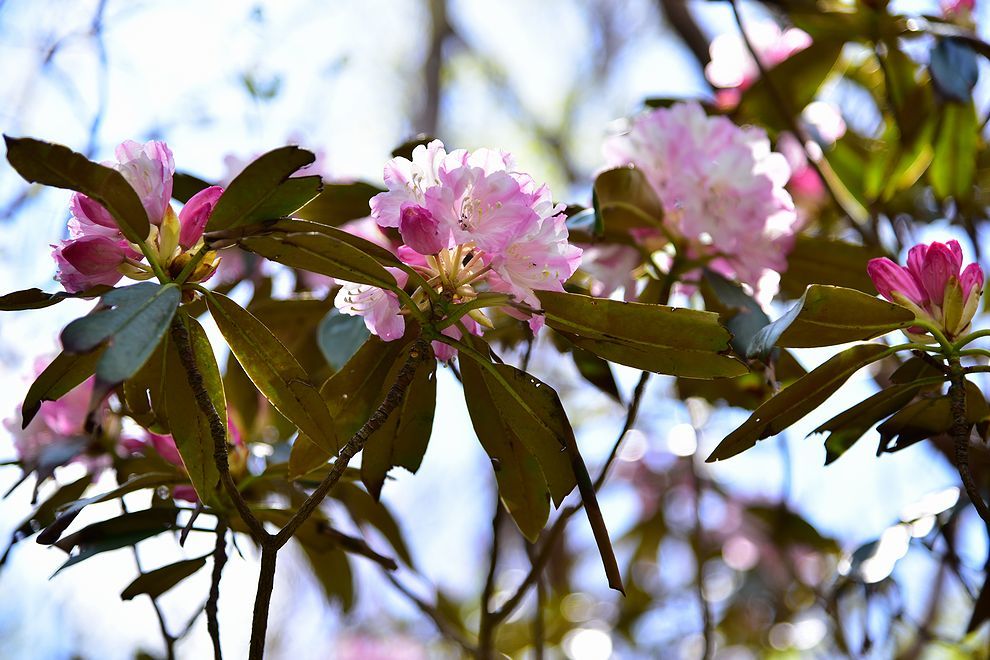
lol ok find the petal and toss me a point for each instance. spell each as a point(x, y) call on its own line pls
point(195, 214)
point(889, 278)
point(940, 265)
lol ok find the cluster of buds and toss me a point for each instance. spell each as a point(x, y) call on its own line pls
point(469, 224)
point(97, 253)
point(933, 285)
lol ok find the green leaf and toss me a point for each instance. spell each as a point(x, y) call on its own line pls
point(518, 418)
point(139, 316)
point(797, 400)
point(274, 371)
point(58, 166)
point(144, 392)
point(67, 512)
point(623, 200)
point(155, 583)
point(121, 532)
point(405, 150)
point(667, 340)
point(402, 440)
point(797, 79)
point(848, 427)
point(38, 299)
point(954, 69)
point(953, 167)
point(44, 514)
point(366, 510)
point(321, 253)
point(817, 260)
point(339, 203)
point(66, 372)
point(927, 418)
point(264, 190)
point(333, 571)
point(830, 315)
point(189, 426)
point(340, 336)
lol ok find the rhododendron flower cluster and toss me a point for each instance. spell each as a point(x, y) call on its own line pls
point(96, 252)
point(469, 223)
point(732, 68)
point(933, 285)
point(59, 422)
point(721, 187)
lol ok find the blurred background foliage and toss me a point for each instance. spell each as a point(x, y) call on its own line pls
point(771, 554)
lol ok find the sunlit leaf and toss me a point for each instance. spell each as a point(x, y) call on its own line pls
point(798, 399)
point(274, 371)
point(953, 167)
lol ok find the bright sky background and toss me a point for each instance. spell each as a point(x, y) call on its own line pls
point(348, 77)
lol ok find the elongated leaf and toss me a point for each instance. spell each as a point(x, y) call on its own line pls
point(264, 190)
point(517, 417)
point(829, 315)
point(402, 440)
point(954, 69)
point(366, 510)
point(846, 428)
point(185, 185)
point(667, 340)
point(139, 316)
point(320, 253)
point(596, 371)
point(58, 166)
point(740, 313)
point(953, 167)
point(66, 372)
point(38, 299)
point(927, 418)
point(121, 532)
point(67, 512)
point(144, 392)
point(797, 400)
point(339, 203)
point(340, 336)
point(44, 514)
point(333, 571)
point(274, 371)
point(189, 425)
point(155, 583)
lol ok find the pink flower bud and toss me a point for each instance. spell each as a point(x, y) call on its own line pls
point(148, 168)
point(89, 211)
point(87, 261)
point(195, 214)
point(940, 265)
point(890, 278)
point(420, 230)
point(972, 280)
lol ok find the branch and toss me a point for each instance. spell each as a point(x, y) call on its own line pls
point(212, 608)
point(680, 18)
point(218, 429)
point(960, 436)
point(486, 628)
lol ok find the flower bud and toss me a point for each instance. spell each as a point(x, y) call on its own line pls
point(196, 213)
point(87, 261)
point(420, 230)
point(890, 279)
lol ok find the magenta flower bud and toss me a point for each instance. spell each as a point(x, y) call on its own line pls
point(890, 278)
point(971, 280)
point(420, 230)
point(195, 214)
point(86, 210)
point(87, 261)
point(940, 265)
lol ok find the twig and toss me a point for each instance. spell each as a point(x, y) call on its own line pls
point(167, 638)
point(441, 622)
point(960, 436)
point(486, 628)
point(218, 429)
point(212, 604)
point(539, 627)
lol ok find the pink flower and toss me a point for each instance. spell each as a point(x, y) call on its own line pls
point(732, 66)
point(148, 168)
point(932, 286)
point(88, 261)
point(195, 214)
point(470, 223)
point(380, 308)
point(721, 187)
point(56, 422)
